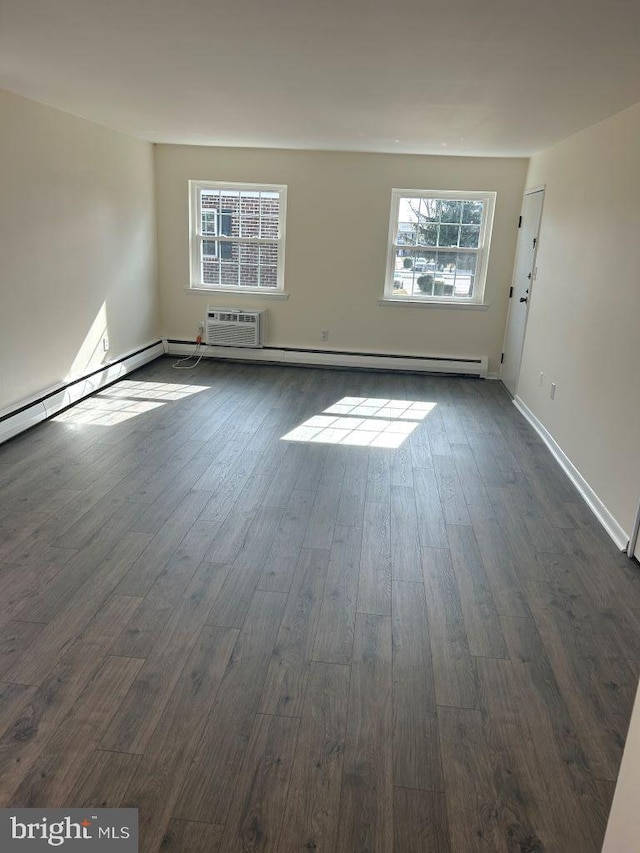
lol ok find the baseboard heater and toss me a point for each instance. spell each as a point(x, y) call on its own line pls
point(46, 404)
point(335, 358)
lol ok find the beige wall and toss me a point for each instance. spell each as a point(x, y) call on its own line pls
point(336, 248)
point(77, 246)
point(584, 323)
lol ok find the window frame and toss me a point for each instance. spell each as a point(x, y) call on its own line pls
point(196, 237)
point(481, 253)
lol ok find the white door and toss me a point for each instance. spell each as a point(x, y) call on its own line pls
point(634, 542)
point(521, 291)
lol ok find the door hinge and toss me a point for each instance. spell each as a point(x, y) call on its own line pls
point(519, 222)
point(510, 292)
point(502, 359)
point(535, 242)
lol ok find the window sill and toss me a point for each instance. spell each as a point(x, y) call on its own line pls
point(278, 294)
point(418, 303)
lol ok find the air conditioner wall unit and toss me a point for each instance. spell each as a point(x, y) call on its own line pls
point(229, 327)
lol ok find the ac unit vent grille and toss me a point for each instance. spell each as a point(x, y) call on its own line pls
point(234, 328)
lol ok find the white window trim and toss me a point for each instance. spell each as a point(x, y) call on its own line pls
point(482, 253)
point(433, 302)
point(267, 292)
point(196, 237)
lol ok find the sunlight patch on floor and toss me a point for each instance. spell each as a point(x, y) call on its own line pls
point(152, 390)
point(125, 400)
point(104, 412)
point(363, 422)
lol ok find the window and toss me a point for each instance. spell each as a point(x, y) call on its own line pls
point(237, 236)
point(438, 246)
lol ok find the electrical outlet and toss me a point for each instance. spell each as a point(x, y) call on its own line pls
point(552, 393)
point(105, 343)
point(201, 327)
point(324, 335)
point(541, 378)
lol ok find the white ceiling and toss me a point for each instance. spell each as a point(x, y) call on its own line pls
point(490, 77)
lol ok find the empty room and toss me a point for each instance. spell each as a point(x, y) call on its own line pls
point(319, 427)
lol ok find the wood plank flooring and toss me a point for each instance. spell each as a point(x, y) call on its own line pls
point(372, 642)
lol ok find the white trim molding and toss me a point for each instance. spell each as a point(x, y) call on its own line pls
point(240, 291)
point(38, 407)
point(326, 358)
point(604, 516)
point(432, 303)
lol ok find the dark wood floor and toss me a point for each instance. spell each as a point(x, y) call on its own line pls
point(289, 646)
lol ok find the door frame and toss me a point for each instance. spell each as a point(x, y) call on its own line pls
point(529, 191)
point(635, 536)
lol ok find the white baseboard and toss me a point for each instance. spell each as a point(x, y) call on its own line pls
point(38, 407)
point(606, 519)
point(422, 364)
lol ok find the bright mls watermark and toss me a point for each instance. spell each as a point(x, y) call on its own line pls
point(79, 830)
